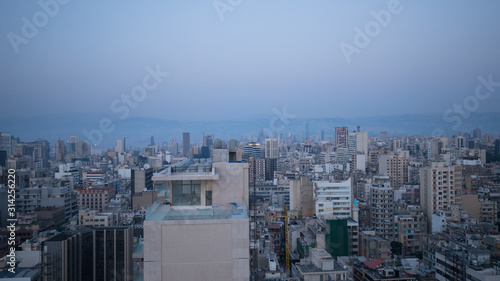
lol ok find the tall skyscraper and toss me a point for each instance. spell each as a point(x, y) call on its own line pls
point(271, 148)
point(152, 141)
point(341, 136)
point(307, 130)
point(60, 150)
point(186, 144)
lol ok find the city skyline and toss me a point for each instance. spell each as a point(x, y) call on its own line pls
point(249, 140)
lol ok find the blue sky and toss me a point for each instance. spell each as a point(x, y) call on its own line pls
point(262, 55)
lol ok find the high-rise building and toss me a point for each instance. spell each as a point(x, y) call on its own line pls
point(358, 143)
point(141, 180)
point(440, 187)
point(60, 150)
point(173, 148)
point(396, 144)
point(152, 141)
point(141, 186)
point(497, 146)
point(271, 148)
point(120, 146)
point(434, 149)
point(460, 141)
point(341, 136)
point(208, 140)
point(394, 166)
point(186, 143)
point(7, 143)
point(382, 210)
point(252, 149)
point(301, 196)
point(409, 228)
point(333, 199)
point(205, 233)
point(82, 149)
point(97, 253)
point(271, 166)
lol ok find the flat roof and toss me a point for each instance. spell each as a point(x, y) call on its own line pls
point(170, 213)
point(310, 268)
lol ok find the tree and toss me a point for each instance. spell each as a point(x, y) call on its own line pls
point(396, 248)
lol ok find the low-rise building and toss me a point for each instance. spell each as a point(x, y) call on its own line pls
point(321, 266)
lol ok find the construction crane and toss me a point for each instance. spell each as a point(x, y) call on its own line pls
point(286, 217)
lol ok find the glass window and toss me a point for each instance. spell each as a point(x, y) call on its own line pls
point(208, 198)
point(186, 193)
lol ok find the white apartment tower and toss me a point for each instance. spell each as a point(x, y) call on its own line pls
point(333, 199)
point(271, 148)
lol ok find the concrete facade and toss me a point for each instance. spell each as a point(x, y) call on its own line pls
point(205, 239)
point(213, 249)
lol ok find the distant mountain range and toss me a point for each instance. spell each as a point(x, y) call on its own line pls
point(138, 130)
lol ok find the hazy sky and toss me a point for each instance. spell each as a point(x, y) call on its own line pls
point(247, 60)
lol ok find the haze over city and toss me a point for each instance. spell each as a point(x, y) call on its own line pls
point(249, 140)
point(226, 64)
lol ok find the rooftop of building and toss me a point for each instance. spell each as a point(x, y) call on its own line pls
point(310, 268)
point(381, 270)
point(374, 263)
point(171, 213)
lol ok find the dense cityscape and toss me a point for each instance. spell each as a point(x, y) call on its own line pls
point(235, 140)
point(350, 207)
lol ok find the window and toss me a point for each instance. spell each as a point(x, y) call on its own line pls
point(186, 193)
point(208, 198)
